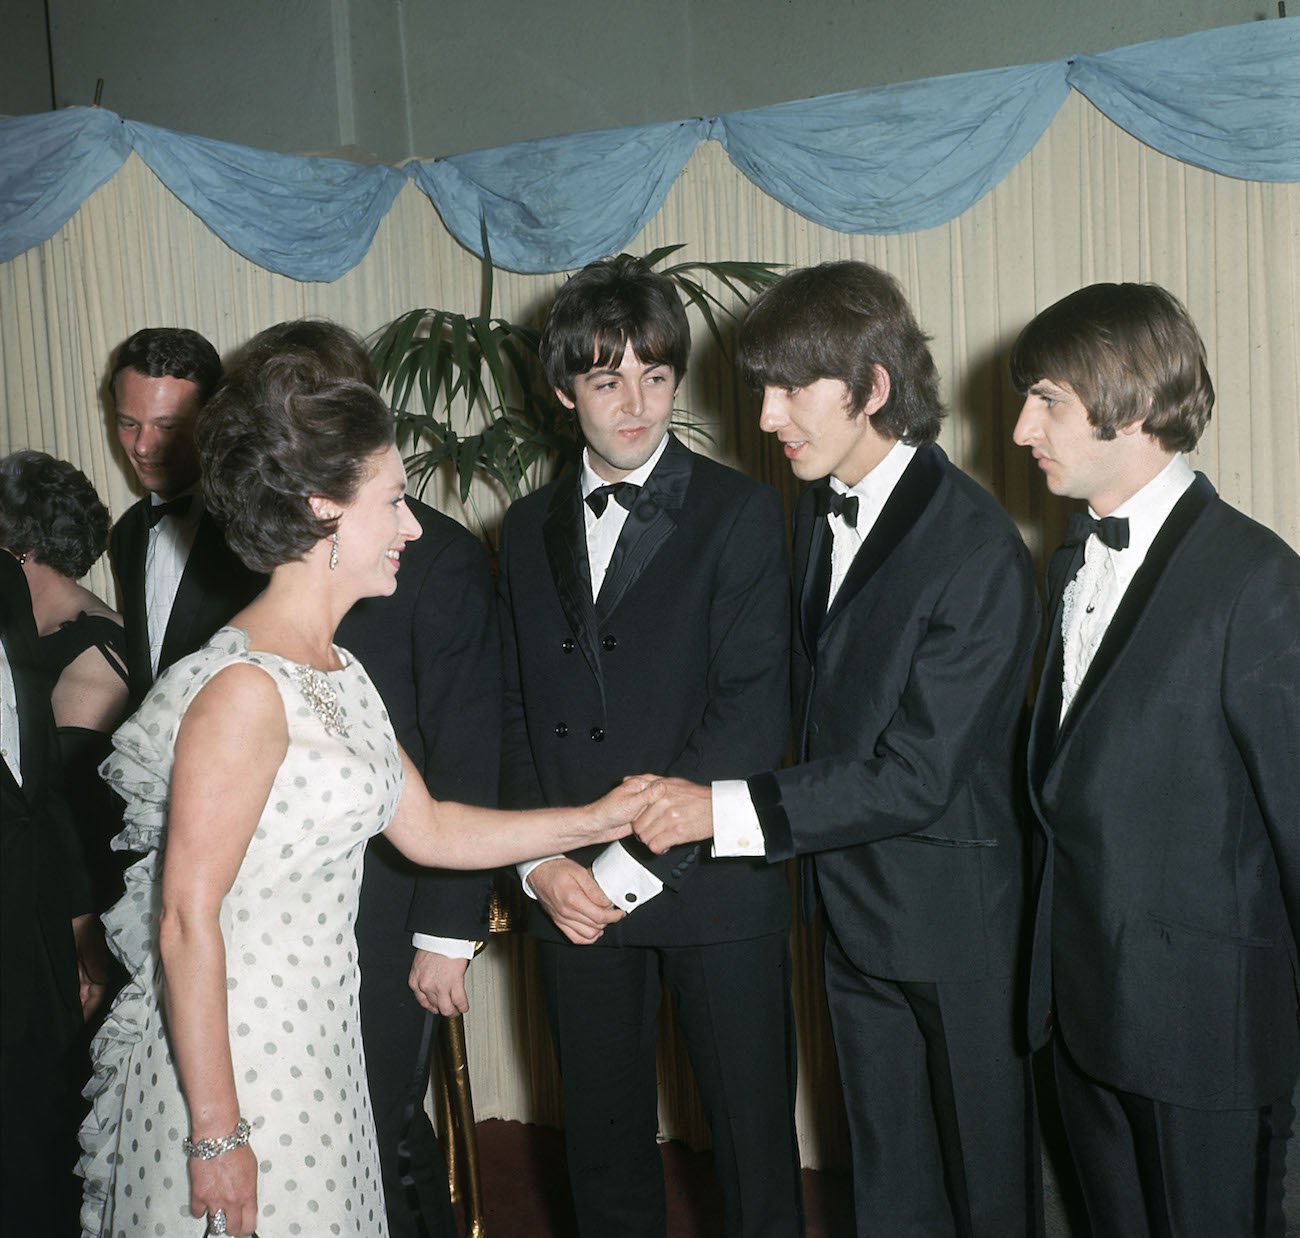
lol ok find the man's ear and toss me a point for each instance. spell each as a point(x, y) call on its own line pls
point(567, 401)
point(880, 389)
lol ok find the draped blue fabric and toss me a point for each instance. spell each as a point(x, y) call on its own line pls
point(894, 159)
point(559, 203)
point(49, 165)
point(1227, 100)
point(900, 158)
point(309, 218)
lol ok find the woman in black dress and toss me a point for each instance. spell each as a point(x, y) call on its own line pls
point(53, 522)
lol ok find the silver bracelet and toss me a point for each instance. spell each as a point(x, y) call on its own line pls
point(207, 1149)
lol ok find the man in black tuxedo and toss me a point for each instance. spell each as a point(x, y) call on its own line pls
point(1165, 773)
point(177, 580)
point(915, 625)
point(432, 650)
point(48, 944)
point(645, 626)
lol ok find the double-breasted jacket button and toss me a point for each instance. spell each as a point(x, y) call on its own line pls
point(568, 644)
point(609, 643)
point(597, 734)
point(561, 729)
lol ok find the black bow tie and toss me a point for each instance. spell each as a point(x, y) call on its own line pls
point(832, 503)
point(1111, 531)
point(173, 507)
point(624, 493)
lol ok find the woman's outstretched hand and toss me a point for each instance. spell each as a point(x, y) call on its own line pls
point(611, 816)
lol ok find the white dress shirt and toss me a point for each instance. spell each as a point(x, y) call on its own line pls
point(170, 543)
point(10, 745)
point(1093, 596)
point(736, 830)
point(625, 882)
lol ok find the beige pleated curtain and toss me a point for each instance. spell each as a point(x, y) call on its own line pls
point(1089, 203)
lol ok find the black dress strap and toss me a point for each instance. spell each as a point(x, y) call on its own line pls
point(59, 649)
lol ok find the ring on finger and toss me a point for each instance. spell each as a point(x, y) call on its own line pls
point(217, 1222)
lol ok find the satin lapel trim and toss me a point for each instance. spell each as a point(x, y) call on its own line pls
point(1046, 718)
point(902, 510)
point(196, 584)
point(565, 538)
point(648, 525)
point(810, 532)
point(1135, 599)
point(135, 541)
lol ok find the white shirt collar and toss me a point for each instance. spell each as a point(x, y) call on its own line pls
point(876, 487)
point(638, 476)
point(1148, 509)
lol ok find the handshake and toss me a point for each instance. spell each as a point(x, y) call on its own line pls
point(662, 812)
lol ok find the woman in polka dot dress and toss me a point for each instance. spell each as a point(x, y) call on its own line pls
point(254, 775)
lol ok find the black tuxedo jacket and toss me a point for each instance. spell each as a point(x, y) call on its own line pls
point(214, 586)
point(1170, 799)
point(41, 866)
point(909, 693)
point(680, 668)
point(431, 649)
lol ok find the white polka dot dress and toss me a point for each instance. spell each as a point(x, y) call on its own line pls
point(291, 965)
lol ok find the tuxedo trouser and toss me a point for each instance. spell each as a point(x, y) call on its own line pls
point(41, 1076)
point(942, 1128)
point(736, 1018)
point(1153, 1170)
point(392, 1033)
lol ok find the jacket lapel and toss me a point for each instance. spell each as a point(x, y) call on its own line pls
point(133, 539)
point(902, 510)
point(199, 584)
point(1134, 602)
point(812, 565)
point(1045, 720)
point(565, 538)
point(648, 525)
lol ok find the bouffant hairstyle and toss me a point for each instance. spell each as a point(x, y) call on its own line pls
point(319, 350)
point(268, 443)
point(607, 306)
point(170, 352)
point(1130, 353)
point(49, 510)
point(838, 320)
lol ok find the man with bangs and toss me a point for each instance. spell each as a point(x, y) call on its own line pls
point(645, 625)
point(915, 625)
point(1164, 771)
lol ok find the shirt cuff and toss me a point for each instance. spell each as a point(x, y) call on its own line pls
point(527, 867)
point(626, 883)
point(449, 947)
point(736, 831)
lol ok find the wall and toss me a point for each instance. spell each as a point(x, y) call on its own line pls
point(426, 78)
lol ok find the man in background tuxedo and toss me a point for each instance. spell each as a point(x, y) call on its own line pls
point(645, 626)
point(50, 943)
point(914, 629)
point(177, 580)
point(432, 650)
point(1165, 772)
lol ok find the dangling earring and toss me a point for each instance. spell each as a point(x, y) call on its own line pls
point(334, 550)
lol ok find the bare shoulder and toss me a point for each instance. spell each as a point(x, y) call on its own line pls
point(241, 707)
